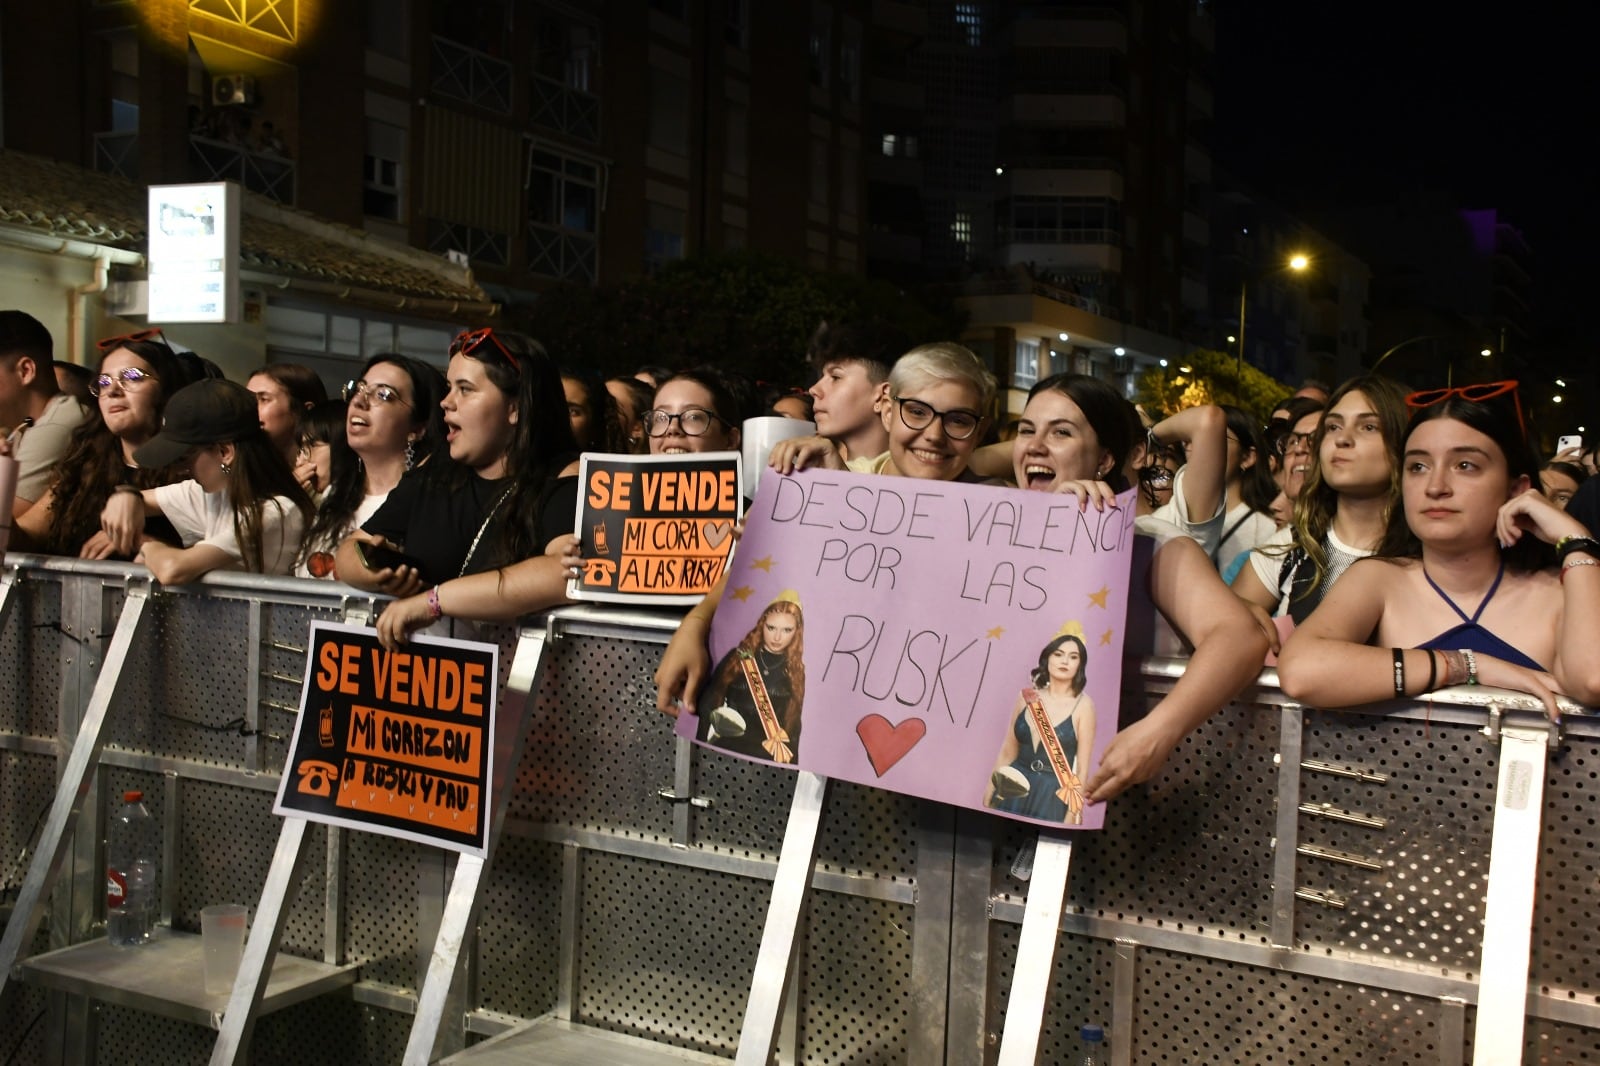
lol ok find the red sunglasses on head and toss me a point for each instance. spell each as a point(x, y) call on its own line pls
point(470, 341)
point(1488, 390)
point(111, 343)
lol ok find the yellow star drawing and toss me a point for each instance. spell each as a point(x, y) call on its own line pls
point(994, 634)
point(1099, 598)
point(1106, 639)
point(763, 563)
point(742, 593)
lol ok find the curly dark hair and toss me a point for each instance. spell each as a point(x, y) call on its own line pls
point(94, 463)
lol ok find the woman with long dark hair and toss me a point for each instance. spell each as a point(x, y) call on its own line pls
point(1045, 756)
point(1479, 599)
point(392, 427)
point(240, 510)
point(760, 688)
point(486, 530)
point(136, 375)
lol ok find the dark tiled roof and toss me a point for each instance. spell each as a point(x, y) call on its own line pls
point(63, 200)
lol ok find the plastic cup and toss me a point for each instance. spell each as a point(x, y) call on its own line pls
point(222, 936)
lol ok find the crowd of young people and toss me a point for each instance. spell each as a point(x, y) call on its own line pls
point(1406, 542)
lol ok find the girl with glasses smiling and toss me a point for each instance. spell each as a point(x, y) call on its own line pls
point(130, 386)
point(939, 396)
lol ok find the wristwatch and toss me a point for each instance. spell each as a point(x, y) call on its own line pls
point(1567, 545)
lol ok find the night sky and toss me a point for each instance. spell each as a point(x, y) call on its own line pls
point(1321, 105)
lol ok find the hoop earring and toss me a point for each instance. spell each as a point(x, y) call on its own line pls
point(411, 453)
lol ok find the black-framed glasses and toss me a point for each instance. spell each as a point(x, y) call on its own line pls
point(373, 394)
point(694, 421)
point(129, 379)
point(958, 424)
point(1286, 443)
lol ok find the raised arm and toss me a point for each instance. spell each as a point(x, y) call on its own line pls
point(1228, 653)
point(1204, 432)
point(1577, 666)
point(686, 663)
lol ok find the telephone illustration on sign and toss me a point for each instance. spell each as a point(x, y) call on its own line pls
point(317, 778)
point(599, 571)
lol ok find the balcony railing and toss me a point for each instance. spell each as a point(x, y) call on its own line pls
point(472, 76)
point(562, 254)
point(269, 174)
point(117, 152)
point(1063, 162)
point(563, 108)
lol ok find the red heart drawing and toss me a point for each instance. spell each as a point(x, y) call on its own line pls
point(887, 744)
point(715, 532)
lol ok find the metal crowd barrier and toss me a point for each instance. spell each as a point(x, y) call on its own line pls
point(1298, 886)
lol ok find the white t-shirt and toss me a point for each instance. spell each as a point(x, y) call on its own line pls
point(1207, 531)
point(202, 517)
point(45, 442)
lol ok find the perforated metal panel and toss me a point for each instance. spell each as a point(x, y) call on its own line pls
point(1205, 1010)
point(185, 683)
point(1192, 850)
point(668, 951)
point(519, 931)
point(31, 650)
point(1425, 902)
point(857, 980)
point(1080, 994)
point(1566, 944)
point(597, 749)
point(382, 885)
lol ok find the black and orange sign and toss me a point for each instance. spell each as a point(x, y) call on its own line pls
point(395, 742)
point(656, 528)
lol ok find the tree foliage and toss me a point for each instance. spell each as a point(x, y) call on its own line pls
point(1210, 377)
point(743, 311)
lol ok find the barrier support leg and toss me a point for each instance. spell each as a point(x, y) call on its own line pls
point(70, 789)
point(764, 1010)
point(1508, 910)
point(1041, 924)
point(510, 730)
point(244, 1001)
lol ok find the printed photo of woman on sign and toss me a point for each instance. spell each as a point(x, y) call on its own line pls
point(759, 687)
point(1043, 760)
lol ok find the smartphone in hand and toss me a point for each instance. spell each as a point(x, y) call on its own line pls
point(381, 557)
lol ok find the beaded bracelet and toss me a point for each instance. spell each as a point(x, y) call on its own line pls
point(434, 609)
point(1572, 562)
point(1472, 665)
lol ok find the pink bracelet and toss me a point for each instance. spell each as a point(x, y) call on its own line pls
point(434, 609)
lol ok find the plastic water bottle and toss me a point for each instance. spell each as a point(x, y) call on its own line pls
point(131, 873)
point(1093, 1046)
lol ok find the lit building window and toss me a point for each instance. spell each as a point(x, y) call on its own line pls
point(969, 24)
point(961, 228)
point(890, 143)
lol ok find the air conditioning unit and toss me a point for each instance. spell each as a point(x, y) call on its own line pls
point(1122, 364)
point(228, 89)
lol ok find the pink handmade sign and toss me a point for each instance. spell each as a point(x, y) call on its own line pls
point(962, 643)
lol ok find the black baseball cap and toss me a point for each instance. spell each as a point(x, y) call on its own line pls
point(208, 412)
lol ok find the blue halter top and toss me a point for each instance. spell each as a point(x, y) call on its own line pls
point(1470, 634)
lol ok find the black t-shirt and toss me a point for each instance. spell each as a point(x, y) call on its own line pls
point(437, 522)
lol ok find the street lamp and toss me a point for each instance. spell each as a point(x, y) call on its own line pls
point(1298, 262)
